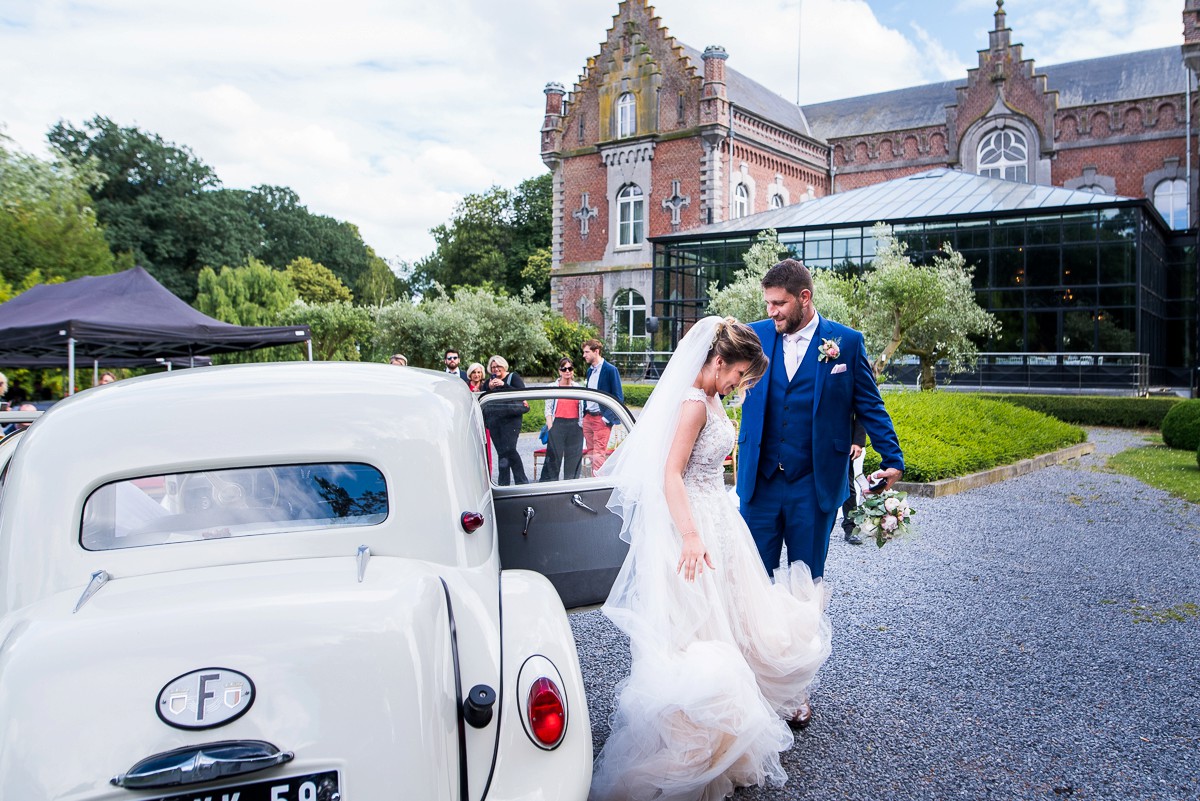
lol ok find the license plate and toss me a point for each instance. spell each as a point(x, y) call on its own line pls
point(313, 787)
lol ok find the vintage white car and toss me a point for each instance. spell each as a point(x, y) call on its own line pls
point(278, 582)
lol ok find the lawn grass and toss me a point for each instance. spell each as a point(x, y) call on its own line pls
point(949, 434)
point(1164, 468)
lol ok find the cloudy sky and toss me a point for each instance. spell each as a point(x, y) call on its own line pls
point(386, 112)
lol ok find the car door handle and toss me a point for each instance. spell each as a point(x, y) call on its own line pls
point(529, 515)
point(578, 501)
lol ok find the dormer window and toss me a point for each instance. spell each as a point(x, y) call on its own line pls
point(1004, 154)
point(626, 115)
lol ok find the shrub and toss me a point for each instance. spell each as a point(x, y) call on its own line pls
point(946, 434)
point(1181, 426)
point(1095, 410)
point(637, 394)
point(1198, 455)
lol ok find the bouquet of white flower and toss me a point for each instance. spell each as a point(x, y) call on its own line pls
point(884, 515)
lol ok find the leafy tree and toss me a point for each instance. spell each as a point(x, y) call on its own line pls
point(925, 311)
point(743, 296)
point(316, 283)
point(477, 321)
point(536, 272)
point(340, 329)
point(253, 294)
point(159, 202)
point(47, 221)
point(566, 339)
point(491, 239)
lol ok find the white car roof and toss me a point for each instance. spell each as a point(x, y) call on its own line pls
point(420, 428)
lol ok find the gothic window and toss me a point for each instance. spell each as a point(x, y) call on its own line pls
point(1170, 198)
point(741, 202)
point(1004, 154)
point(626, 115)
point(777, 201)
point(631, 216)
point(629, 314)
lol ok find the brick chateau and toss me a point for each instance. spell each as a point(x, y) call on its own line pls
point(660, 143)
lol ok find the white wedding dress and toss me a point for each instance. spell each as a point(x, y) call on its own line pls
point(717, 664)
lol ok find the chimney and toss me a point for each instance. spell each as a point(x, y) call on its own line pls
point(714, 72)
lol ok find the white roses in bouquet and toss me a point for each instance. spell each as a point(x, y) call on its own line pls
point(883, 516)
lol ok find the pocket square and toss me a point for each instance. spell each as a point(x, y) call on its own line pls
point(838, 368)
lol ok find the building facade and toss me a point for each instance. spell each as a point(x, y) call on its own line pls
point(657, 139)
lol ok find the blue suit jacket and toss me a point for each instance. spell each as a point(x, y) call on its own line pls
point(839, 399)
point(610, 382)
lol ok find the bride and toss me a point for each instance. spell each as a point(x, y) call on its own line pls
point(721, 655)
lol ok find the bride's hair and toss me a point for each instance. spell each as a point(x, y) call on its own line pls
point(736, 342)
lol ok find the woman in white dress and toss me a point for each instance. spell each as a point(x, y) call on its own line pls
point(721, 655)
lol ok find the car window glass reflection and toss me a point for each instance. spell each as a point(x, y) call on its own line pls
point(184, 507)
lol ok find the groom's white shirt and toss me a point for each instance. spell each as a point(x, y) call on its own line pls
point(795, 346)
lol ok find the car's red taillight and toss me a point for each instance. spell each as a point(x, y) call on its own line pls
point(547, 714)
point(471, 521)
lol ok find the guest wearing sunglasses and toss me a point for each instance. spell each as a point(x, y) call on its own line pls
point(564, 417)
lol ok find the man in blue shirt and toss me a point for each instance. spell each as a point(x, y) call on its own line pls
point(598, 420)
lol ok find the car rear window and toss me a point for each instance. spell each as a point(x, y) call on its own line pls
point(241, 502)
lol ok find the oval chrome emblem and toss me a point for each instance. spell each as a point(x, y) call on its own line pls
point(205, 698)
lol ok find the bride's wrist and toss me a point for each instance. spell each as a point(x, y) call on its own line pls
point(691, 533)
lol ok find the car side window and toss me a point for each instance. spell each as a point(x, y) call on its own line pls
point(557, 438)
point(238, 502)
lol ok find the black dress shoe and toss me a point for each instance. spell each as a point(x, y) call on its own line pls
point(853, 538)
point(803, 716)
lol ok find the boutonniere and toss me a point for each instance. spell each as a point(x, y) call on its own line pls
point(829, 349)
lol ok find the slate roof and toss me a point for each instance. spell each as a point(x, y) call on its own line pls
point(752, 96)
point(1129, 76)
point(936, 193)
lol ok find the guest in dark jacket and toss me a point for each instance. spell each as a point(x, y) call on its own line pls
point(503, 420)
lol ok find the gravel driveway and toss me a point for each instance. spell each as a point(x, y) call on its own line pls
point(1023, 644)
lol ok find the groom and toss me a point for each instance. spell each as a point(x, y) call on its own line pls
point(798, 423)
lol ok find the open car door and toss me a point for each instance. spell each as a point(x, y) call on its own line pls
point(558, 523)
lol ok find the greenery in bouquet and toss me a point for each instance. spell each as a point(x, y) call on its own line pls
point(883, 516)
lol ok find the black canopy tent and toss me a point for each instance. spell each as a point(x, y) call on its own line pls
point(123, 319)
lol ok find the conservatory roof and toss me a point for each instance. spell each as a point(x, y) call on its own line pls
point(935, 193)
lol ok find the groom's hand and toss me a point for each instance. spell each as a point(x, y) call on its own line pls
point(891, 476)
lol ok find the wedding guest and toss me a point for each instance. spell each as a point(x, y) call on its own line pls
point(598, 421)
point(475, 377)
point(564, 416)
point(106, 378)
point(398, 360)
point(453, 362)
point(503, 419)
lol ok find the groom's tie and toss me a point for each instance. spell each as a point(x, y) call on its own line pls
point(791, 354)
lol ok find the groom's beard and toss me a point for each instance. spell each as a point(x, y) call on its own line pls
point(793, 322)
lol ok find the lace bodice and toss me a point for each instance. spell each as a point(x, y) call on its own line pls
point(705, 467)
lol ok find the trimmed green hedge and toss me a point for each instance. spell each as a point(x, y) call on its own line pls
point(1181, 426)
point(950, 434)
point(637, 394)
point(1094, 410)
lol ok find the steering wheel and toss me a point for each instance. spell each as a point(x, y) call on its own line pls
point(256, 488)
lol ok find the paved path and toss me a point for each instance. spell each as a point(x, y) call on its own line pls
point(1020, 645)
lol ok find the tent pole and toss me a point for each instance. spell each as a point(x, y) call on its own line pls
point(95, 372)
point(309, 343)
point(71, 366)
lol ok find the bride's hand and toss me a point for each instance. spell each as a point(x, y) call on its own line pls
point(694, 557)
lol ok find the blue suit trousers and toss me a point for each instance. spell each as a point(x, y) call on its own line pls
point(786, 512)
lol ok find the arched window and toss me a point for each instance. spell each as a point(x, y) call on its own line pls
point(777, 201)
point(630, 216)
point(626, 115)
point(1004, 154)
point(629, 314)
point(741, 202)
point(1170, 198)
